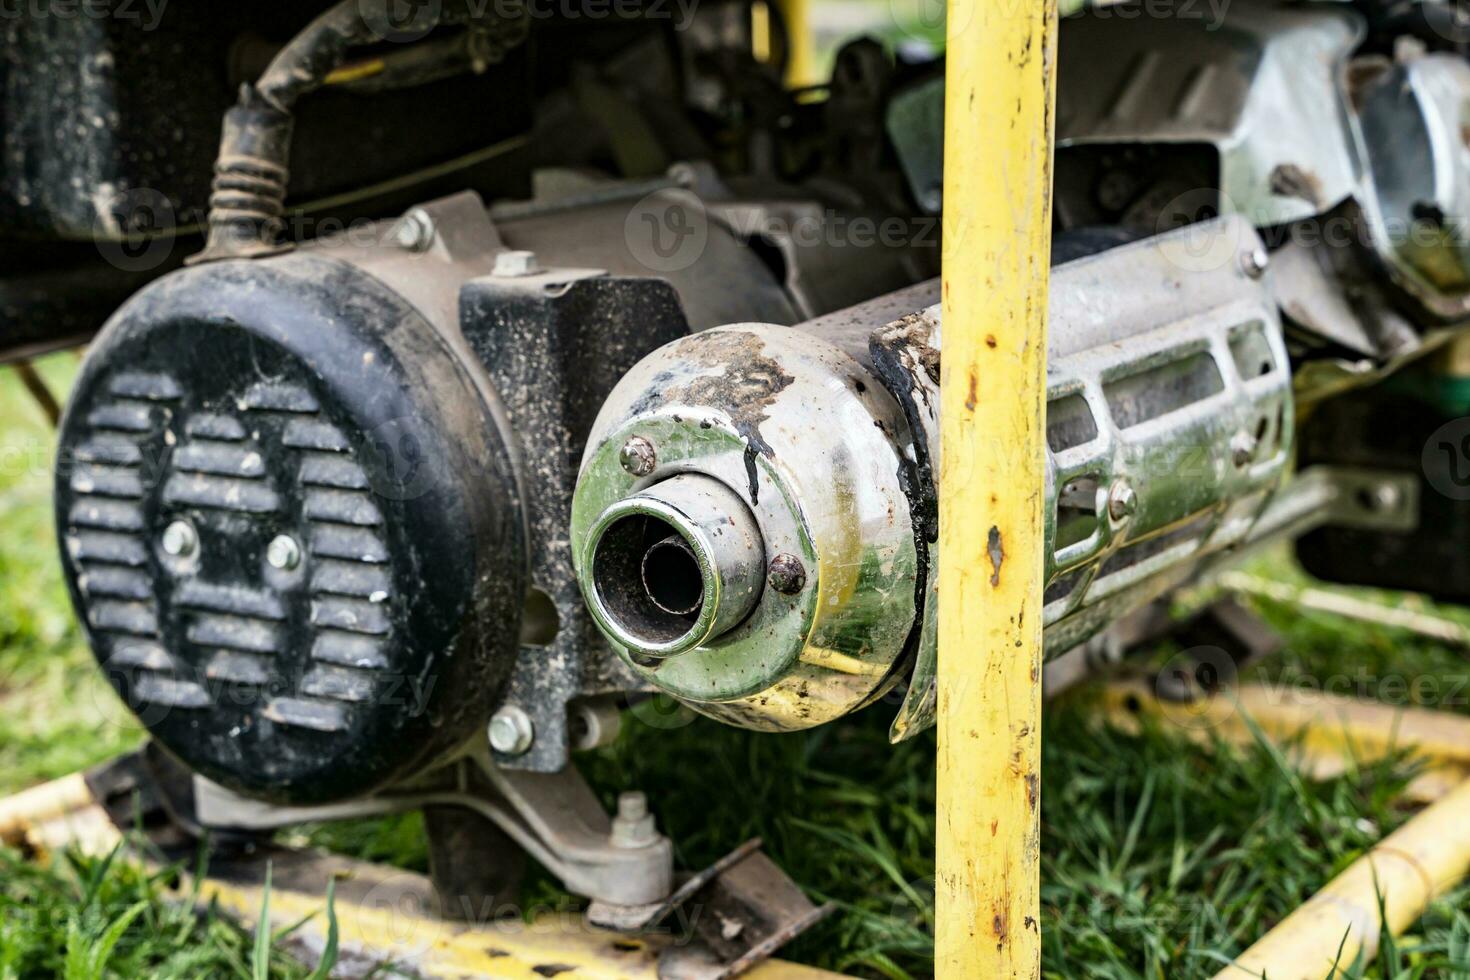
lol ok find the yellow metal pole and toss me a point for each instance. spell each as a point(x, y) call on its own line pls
point(801, 52)
point(1407, 869)
point(1001, 57)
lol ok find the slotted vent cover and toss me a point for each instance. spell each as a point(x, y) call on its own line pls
point(298, 648)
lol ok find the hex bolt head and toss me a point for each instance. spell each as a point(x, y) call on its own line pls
point(638, 456)
point(1253, 262)
point(1122, 501)
point(515, 263)
point(180, 539)
point(414, 231)
point(511, 731)
point(787, 575)
point(633, 826)
point(283, 552)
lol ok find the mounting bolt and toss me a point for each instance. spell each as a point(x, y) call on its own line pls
point(414, 231)
point(180, 539)
point(634, 825)
point(511, 731)
point(516, 263)
point(1122, 501)
point(1253, 262)
point(638, 456)
point(283, 552)
point(787, 576)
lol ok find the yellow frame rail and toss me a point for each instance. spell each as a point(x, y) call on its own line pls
point(1001, 57)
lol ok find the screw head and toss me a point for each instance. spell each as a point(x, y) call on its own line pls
point(638, 456)
point(180, 539)
point(414, 231)
point(283, 552)
point(1122, 501)
point(1253, 262)
point(787, 575)
point(516, 263)
point(511, 731)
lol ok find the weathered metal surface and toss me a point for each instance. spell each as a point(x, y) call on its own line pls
point(805, 438)
point(1412, 117)
point(1262, 86)
point(1000, 103)
point(1170, 422)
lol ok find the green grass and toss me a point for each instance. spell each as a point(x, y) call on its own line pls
point(1161, 856)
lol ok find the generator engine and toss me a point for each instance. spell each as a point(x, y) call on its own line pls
point(402, 517)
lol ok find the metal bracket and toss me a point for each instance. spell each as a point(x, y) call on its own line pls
point(554, 817)
point(745, 909)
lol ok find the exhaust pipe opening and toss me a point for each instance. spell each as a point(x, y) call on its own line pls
point(672, 578)
point(648, 579)
point(674, 566)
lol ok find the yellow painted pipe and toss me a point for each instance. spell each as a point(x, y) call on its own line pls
point(997, 238)
point(801, 50)
point(1325, 732)
point(1411, 866)
point(42, 803)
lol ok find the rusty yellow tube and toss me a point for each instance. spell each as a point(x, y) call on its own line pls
point(997, 224)
point(1409, 867)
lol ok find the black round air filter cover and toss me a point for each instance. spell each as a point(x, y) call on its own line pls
point(289, 523)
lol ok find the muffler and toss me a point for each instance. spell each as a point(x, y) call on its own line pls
point(755, 520)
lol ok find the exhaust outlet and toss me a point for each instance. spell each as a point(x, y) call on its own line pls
point(674, 566)
point(755, 557)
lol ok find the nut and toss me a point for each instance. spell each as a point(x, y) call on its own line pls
point(633, 826)
point(787, 575)
point(414, 231)
point(638, 456)
point(1122, 501)
point(283, 552)
point(513, 264)
point(511, 731)
point(180, 539)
